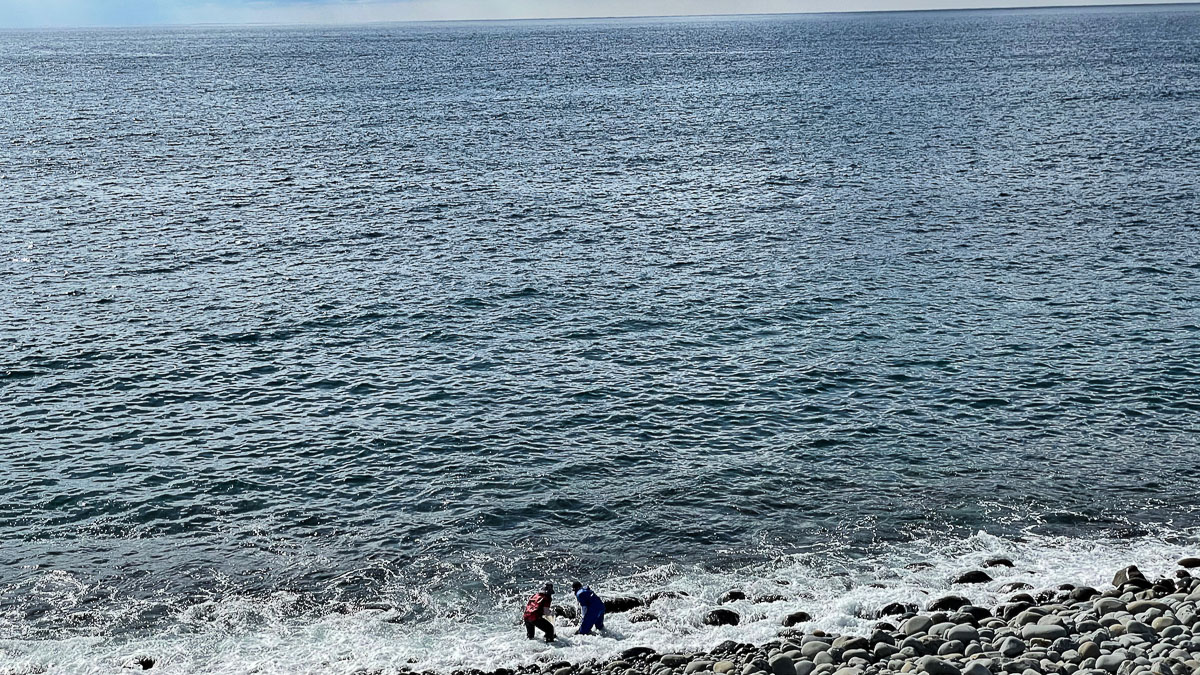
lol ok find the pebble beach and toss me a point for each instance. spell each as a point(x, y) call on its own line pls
point(1138, 626)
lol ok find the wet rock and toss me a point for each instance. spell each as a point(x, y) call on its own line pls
point(916, 625)
point(731, 596)
point(998, 562)
point(767, 599)
point(673, 660)
point(622, 603)
point(935, 666)
point(565, 611)
point(976, 613)
point(962, 633)
point(973, 577)
point(782, 665)
point(1126, 575)
point(139, 662)
point(948, 603)
point(883, 650)
point(896, 609)
point(1083, 593)
point(722, 617)
point(661, 595)
point(795, 618)
point(642, 616)
point(1189, 563)
point(1011, 647)
point(729, 647)
point(635, 653)
point(1015, 586)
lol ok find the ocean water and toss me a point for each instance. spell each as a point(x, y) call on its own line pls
point(322, 348)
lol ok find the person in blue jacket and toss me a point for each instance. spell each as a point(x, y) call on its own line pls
point(593, 608)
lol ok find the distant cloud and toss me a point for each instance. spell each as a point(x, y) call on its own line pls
point(25, 13)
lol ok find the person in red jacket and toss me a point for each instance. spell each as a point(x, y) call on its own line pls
point(535, 613)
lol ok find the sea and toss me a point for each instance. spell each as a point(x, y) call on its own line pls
point(323, 348)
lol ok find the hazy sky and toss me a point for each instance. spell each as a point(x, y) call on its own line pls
point(21, 13)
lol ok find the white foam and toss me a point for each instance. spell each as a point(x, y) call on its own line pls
point(839, 589)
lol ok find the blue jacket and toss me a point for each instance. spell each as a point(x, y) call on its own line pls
point(587, 599)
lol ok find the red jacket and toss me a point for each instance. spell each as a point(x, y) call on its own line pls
point(536, 607)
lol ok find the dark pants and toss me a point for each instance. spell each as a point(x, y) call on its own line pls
point(546, 626)
point(594, 616)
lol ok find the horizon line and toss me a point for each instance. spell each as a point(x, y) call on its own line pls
point(715, 15)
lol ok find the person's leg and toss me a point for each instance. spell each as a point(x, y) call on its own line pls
point(600, 619)
point(589, 620)
point(547, 628)
point(529, 629)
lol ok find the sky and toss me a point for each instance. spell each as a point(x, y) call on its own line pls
point(34, 13)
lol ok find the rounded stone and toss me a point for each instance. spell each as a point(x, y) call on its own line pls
point(1139, 628)
point(1139, 606)
point(915, 625)
point(896, 609)
point(976, 668)
point(722, 617)
point(1111, 662)
point(782, 665)
point(935, 666)
point(1043, 631)
point(948, 603)
point(811, 649)
point(1010, 647)
point(622, 604)
point(731, 596)
point(795, 618)
point(963, 633)
point(973, 577)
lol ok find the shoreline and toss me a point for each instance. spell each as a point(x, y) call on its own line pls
point(1135, 626)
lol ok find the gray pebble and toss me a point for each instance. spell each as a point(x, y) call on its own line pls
point(936, 666)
